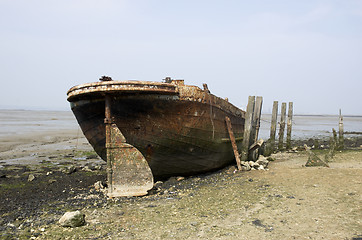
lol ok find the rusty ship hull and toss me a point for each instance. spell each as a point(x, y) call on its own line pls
point(179, 129)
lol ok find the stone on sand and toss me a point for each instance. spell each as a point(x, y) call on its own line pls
point(72, 219)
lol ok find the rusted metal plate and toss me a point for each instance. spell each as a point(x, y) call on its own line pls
point(128, 171)
point(107, 87)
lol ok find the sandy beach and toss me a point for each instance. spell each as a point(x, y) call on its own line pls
point(287, 201)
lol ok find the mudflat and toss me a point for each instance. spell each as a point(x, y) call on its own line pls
point(288, 201)
point(44, 174)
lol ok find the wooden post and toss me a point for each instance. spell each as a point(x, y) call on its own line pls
point(341, 137)
point(233, 142)
point(247, 128)
point(254, 153)
point(282, 125)
point(273, 126)
point(335, 137)
point(256, 118)
point(289, 126)
point(333, 143)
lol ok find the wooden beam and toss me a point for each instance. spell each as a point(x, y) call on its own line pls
point(341, 137)
point(289, 126)
point(282, 125)
point(256, 119)
point(247, 128)
point(233, 142)
point(273, 126)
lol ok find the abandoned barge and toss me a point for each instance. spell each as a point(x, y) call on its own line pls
point(179, 129)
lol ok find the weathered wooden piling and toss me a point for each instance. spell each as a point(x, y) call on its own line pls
point(282, 125)
point(335, 139)
point(256, 119)
point(273, 126)
point(332, 146)
point(247, 128)
point(341, 137)
point(253, 146)
point(289, 126)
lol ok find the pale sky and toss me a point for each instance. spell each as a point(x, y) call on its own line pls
point(308, 52)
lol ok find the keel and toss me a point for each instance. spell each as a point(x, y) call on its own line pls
point(128, 172)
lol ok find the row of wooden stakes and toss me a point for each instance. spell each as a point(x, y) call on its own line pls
point(251, 145)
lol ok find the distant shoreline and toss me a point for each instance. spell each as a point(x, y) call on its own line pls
point(325, 115)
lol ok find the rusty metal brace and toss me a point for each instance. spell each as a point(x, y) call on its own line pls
point(233, 142)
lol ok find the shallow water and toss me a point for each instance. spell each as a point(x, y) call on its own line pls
point(18, 122)
point(313, 126)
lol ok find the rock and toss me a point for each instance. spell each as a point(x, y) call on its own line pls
point(87, 169)
point(263, 162)
point(91, 166)
point(180, 178)
point(258, 223)
point(254, 164)
point(31, 177)
point(306, 147)
point(52, 181)
point(98, 186)
point(91, 196)
point(193, 223)
point(98, 167)
point(92, 156)
point(245, 166)
point(156, 188)
point(231, 170)
point(157, 184)
point(72, 219)
point(70, 170)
